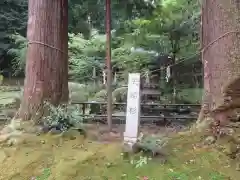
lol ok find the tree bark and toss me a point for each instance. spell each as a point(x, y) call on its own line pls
point(221, 59)
point(47, 56)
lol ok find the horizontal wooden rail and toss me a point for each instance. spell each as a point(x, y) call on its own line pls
point(163, 113)
point(149, 117)
point(157, 120)
point(146, 104)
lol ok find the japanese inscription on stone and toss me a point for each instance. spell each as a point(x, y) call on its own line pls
point(133, 107)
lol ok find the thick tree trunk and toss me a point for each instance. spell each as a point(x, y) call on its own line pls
point(221, 59)
point(47, 58)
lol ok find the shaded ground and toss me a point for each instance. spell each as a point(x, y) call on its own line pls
point(53, 157)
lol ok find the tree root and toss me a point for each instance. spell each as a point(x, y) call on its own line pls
point(13, 132)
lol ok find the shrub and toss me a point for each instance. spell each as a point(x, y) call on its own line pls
point(78, 96)
point(101, 95)
point(75, 87)
point(120, 94)
point(78, 92)
point(62, 117)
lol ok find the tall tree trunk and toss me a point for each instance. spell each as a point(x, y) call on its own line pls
point(47, 56)
point(221, 59)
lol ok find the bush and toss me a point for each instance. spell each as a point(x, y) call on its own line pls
point(76, 87)
point(101, 95)
point(120, 94)
point(92, 88)
point(132, 61)
point(78, 96)
point(78, 92)
point(62, 117)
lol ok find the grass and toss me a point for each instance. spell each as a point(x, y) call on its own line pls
point(192, 95)
point(49, 158)
point(8, 97)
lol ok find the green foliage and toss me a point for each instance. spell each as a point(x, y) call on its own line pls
point(159, 27)
point(81, 68)
point(100, 96)
point(13, 18)
point(192, 96)
point(80, 96)
point(18, 52)
point(140, 162)
point(76, 87)
point(45, 175)
point(124, 59)
point(155, 144)
point(63, 116)
point(120, 94)
point(84, 15)
point(1, 79)
point(82, 56)
point(174, 26)
point(86, 57)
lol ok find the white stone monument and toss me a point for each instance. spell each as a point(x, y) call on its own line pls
point(133, 109)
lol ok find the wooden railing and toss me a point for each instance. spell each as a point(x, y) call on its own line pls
point(162, 112)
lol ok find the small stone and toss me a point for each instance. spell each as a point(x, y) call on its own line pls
point(42, 142)
point(210, 140)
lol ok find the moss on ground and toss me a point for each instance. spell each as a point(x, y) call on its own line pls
point(51, 157)
point(8, 97)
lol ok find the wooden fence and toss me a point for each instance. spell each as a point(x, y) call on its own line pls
point(150, 112)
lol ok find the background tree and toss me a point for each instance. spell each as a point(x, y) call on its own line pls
point(13, 19)
point(47, 56)
point(142, 34)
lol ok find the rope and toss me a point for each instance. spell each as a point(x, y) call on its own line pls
point(47, 45)
point(199, 52)
point(162, 68)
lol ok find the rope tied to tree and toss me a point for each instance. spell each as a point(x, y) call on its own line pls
point(47, 45)
point(202, 50)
